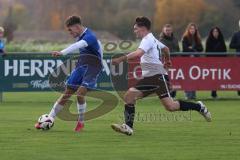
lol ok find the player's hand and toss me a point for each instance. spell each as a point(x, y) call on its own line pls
point(56, 53)
point(167, 64)
point(116, 61)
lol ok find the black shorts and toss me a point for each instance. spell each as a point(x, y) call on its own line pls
point(158, 84)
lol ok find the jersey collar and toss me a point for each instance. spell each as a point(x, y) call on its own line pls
point(80, 37)
point(149, 34)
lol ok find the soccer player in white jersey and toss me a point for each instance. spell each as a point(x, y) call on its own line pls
point(155, 78)
point(84, 76)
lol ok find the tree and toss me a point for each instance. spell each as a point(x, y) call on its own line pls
point(10, 25)
point(110, 15)
point(179, 13)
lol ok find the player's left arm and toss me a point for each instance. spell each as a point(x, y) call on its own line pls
point(138, 53)
point(71, 48)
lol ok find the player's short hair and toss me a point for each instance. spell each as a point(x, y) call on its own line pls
point(143, 22)
point(1, 29)
point(72, 20)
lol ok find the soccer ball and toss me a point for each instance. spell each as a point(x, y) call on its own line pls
point(46, 122)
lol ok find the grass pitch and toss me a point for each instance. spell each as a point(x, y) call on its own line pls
point(158, 135)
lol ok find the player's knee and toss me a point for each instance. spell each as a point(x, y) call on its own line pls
point(169, 107)
point(63, 99)
point(81, 99)
point(129, 98)
point(66, 95)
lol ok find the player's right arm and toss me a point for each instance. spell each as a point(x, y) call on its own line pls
point(138, 53)
point(144, 47)
point(71, 48)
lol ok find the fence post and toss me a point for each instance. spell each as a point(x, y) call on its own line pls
point(1, 97)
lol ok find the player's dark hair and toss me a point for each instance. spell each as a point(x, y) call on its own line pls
point(143, 22)
point(72, 20)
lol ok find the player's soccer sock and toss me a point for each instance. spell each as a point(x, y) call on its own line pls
point(81, 111)
point(55, 110)
point(186, 106)
point(129, 114)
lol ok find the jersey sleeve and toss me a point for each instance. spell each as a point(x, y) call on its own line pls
point(145, 45)
point(75, 46)
point(161, 45)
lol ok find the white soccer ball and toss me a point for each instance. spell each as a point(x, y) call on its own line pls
point(46, 122)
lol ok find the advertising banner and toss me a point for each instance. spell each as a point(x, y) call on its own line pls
point(31, 72)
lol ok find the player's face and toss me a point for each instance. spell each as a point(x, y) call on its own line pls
point(1, 34)
point(74, 30)
point(139, 31)
point(168, 31)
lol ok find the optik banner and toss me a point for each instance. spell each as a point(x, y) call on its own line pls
point(205, 73)
point(198, 73)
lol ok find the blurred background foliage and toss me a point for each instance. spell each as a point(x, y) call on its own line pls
point(117, 17)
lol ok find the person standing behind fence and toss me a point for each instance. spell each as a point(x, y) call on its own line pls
point(2, 44)
point(167, 37)
point(215, 44)
point(191, 42)
point(235, 44)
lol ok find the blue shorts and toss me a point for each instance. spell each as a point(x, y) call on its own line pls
point(83, 76)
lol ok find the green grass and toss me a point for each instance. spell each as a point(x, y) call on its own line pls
point(160, 139)
point(34, 46)
point(31, 46)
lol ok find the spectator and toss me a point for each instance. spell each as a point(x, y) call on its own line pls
point(167, 37)
point(2, 45)
point(215, 43)
point(191, 42)
point(235, 44)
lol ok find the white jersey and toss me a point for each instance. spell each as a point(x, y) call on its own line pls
point(150, 62)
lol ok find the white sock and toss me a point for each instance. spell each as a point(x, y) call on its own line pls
point(55, 110)
point(81, 111)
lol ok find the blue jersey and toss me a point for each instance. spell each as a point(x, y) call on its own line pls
point(2, 45)
point(93, 48)
point(89, 63)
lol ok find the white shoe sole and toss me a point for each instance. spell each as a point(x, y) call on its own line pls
point(207, 116)
point(119, 130)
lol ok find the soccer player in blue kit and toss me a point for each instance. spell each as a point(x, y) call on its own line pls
point(2, 44)
point(84, 77)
